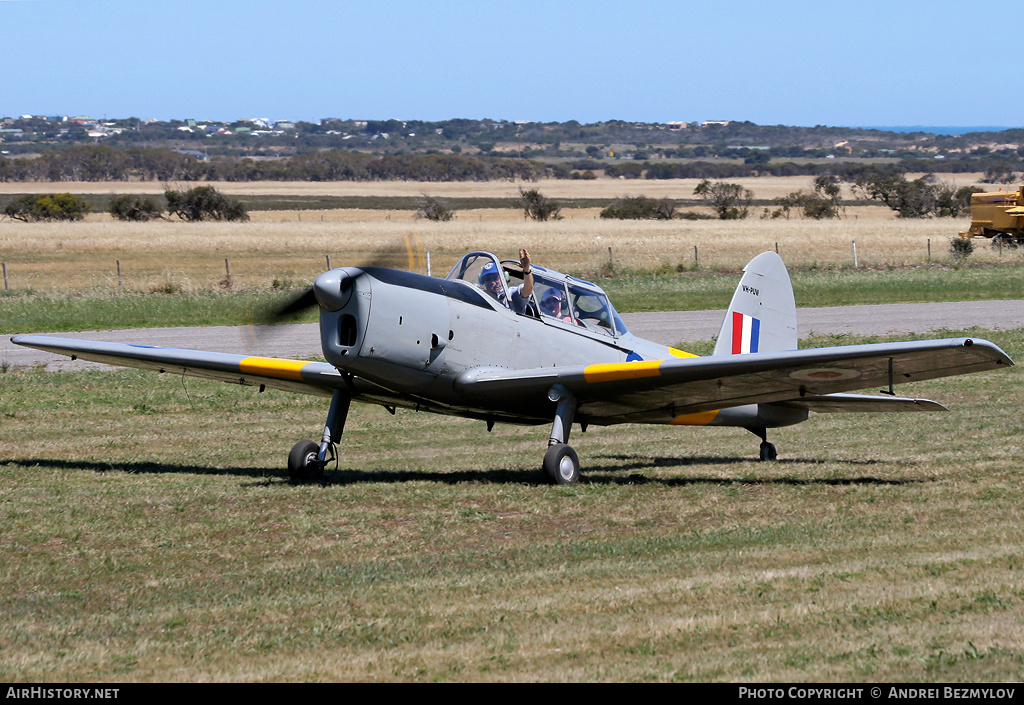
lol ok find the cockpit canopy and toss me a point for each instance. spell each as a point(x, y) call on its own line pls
point(557, 298)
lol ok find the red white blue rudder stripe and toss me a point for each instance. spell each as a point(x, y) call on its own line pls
point(746, 330)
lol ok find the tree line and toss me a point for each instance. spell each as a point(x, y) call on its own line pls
point(105, 163)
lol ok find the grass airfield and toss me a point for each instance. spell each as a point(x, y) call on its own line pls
point(148, 532)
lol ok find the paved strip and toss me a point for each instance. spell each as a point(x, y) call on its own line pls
point(668, 327)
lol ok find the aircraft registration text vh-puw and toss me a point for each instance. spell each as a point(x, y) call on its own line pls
point(450, 346)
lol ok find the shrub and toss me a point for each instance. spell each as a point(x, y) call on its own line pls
point(640, 208)
point(434, 209)
point(204, 203)
point(961, 248)
point(134, 208)
point(536, 205)
point(47, 206)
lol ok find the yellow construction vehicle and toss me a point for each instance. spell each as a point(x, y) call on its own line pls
point(999, 214)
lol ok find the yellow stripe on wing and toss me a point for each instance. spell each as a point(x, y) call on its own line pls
point(615, 371)
point(272, 367)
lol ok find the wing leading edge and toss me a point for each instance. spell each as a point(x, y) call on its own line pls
point(622, 392)
point(318, 378)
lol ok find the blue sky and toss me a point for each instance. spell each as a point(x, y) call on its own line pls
point(786, 62)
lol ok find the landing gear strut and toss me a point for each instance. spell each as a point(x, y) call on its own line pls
point(768, 452)
point(561, 464)
point(307, 460)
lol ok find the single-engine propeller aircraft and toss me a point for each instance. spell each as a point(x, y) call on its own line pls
point(451, 346)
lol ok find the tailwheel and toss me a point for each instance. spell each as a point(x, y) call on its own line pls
point(303, 464)
point(562, 465)
point(768, 452)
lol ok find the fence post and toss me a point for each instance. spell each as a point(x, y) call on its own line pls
point(120, 282)
point(7, 289)
point(328, 262)
point(696, 258)
point(929, 250)
point(854, 254)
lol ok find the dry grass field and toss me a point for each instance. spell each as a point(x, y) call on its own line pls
point(763, 187)
point(292, 246)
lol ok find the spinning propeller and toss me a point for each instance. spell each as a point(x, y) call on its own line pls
point(332, 289)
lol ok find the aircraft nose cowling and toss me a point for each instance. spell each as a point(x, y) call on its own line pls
point(333, 289)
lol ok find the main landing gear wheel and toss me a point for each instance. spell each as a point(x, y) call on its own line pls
point(768, 451)
point(302, 462)
point(562, 465)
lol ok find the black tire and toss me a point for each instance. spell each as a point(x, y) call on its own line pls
point(768, 452)
point(302, 464)
point(562, 465)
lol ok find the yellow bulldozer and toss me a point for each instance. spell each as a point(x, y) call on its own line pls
point(998, 215)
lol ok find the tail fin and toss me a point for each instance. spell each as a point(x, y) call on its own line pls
point(762, 315)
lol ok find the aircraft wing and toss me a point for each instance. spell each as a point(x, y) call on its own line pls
point(633, 391)
point(317, 378)
point(853, 403)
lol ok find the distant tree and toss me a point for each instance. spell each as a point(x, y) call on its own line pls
point(134, 208)
point(910, 199)
point(951, 202)
point(537, 206)
point(46, 207)
point(758, 156)
point(998, 174)
point(434, 209)
point(729, 201)
point(204, 203)
point(919, 198)
point(824, 202)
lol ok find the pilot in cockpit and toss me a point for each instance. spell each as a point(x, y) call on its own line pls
point(491, 280)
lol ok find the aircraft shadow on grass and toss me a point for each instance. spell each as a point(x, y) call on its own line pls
point(620, 471)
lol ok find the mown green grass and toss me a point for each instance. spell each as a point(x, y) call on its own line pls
point(148, 532)
point(48, 313)
point(630, 292)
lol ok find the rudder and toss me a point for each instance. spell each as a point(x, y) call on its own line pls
point(762, 314)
